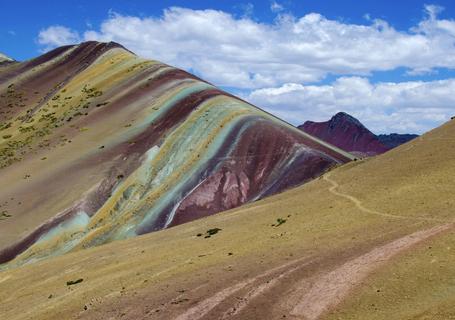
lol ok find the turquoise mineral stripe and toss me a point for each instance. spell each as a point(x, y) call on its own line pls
point(178, 96)
point(74, 229)
point(182, 139)
point(177, 191)
point(196, 131)
point(180, 93)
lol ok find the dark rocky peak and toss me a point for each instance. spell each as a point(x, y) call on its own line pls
point(342, 118)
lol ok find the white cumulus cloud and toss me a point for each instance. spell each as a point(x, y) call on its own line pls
point(274, 63)
point(55, 36)
point(413, 106)
point(241, 52)
point(276, 7)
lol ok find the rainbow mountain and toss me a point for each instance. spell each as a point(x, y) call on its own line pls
point(98, 144)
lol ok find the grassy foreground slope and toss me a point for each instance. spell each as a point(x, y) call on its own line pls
point(368, 240)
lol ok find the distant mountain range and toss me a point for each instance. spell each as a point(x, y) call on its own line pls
point(349, 134)
point(393, 140)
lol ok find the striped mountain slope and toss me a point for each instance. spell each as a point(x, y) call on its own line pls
point(98, 144)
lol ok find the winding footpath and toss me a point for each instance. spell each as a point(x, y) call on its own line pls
point(331, 288)
point(361, 207)
point(308, 297)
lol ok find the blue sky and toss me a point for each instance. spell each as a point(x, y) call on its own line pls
point(386, 62)
point(19, 32)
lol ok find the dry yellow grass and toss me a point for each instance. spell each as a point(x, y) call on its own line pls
point(346, 221)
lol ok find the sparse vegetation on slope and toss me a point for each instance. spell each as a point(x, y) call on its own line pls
point(393, 265)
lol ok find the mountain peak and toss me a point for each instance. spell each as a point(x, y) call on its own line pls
point(347, 133)
point(89, 48)
point(107, 44)
point(343, 117)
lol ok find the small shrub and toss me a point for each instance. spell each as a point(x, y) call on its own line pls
point(213, 231)
point(209, 232)
point(5, 214)
point(4, 126)
point(73, 282)
point(279, 222)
